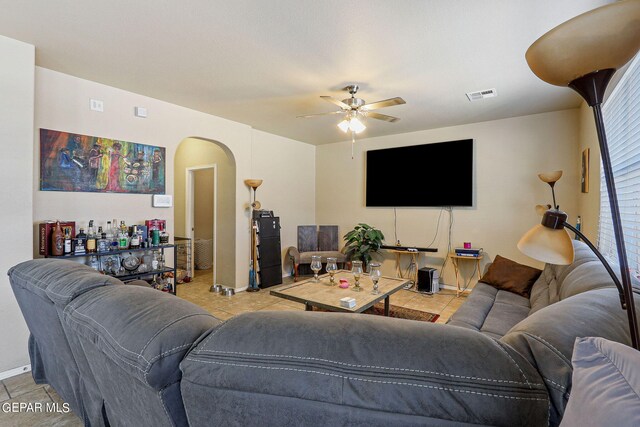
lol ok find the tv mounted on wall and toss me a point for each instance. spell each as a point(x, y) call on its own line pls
point(427, 175)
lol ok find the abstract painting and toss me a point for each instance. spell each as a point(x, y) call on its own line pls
point(72, 162)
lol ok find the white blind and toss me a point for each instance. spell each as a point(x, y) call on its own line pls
point(622, 123)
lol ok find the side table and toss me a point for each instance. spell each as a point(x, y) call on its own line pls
point(455, 259)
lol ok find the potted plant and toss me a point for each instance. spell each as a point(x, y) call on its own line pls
point(361, 242)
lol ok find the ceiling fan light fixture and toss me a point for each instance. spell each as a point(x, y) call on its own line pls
point(356, 125)
point(344, 126)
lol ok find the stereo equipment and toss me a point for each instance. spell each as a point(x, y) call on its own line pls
point(428, 280)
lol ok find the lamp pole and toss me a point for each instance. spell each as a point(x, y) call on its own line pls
point(592, 87)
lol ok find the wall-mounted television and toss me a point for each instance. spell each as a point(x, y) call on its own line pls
point(426, 175)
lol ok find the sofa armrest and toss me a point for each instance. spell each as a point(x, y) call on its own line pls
point(342, 369)
point(294, 254)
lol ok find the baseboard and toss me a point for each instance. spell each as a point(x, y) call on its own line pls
point(449, 287)
point(15, 371)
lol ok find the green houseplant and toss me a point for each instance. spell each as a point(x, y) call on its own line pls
point(362, 241)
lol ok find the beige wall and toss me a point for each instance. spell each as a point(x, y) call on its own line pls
point(589, 203)
point(203, 204)
point(62, 103)
point(194, 153)
point(17, 61)
point(509, 154)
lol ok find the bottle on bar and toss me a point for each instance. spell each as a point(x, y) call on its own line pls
point(135, 238)
point(81, 243)
point(112, 235)
point(91, 238)
point(57, 240)
point(104, 244)
point(123, 237)
point(68, 247)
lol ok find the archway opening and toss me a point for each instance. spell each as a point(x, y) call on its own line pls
point(204, 207)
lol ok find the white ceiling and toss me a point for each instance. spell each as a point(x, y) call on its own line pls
point(265, 62)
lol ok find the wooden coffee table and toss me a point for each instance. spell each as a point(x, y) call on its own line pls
point(323, 295)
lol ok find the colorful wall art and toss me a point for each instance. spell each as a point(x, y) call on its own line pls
point(72, 162)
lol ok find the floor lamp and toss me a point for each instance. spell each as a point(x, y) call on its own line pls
point(253, 280)
point(583, 54)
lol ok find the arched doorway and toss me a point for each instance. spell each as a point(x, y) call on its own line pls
point(204, 206)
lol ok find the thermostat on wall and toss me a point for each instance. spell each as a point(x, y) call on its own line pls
point(162, 201)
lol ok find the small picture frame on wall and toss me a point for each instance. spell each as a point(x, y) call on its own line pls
point(162, 201)
point(585, 171)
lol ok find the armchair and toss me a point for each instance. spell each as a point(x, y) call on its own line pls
point(314, 240)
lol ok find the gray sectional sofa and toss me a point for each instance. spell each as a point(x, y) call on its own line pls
point(125, 355)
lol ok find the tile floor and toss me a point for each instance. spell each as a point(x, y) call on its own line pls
point(444, 303)
point(21, 388)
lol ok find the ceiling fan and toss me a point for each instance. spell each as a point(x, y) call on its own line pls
point(355, 108)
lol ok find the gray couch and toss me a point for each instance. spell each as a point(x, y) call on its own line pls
point(123, 355)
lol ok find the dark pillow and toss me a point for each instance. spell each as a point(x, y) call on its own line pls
point(510, 276)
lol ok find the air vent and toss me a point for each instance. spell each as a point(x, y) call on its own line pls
point(482, 94)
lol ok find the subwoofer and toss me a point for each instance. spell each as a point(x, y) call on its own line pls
point(428, 280)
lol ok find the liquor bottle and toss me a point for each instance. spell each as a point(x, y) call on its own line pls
point(68, 247)
point(94, 263)
point(135, 239)
point(104, 244)
point(123, 238)
point(112, 235)
point(57, 240)
point(91, 238)
point(81, 243)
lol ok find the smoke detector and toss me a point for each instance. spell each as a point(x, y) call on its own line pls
point(482, 94)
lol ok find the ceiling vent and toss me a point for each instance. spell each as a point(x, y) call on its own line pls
point(482, 94)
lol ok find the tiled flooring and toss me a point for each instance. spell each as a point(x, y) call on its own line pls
point(444, 303)
point(21, 388)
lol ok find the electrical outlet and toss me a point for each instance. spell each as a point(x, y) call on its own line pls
point(96, 105)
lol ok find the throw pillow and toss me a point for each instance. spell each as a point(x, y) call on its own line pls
point(511, 276)
point(606, 385)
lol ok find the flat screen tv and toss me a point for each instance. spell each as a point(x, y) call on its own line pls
point(426, 175)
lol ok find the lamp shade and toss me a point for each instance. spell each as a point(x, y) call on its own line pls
point(550, 177)
point(253, 183)
point(604, 38)
point(548, 245)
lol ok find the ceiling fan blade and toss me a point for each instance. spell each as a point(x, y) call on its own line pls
point(381, 104)
point(379, 116)
point(335, 101)
point(308, 116)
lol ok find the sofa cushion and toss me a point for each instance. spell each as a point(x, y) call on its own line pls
point(603, 372)
point(546, 337)
point(58, 280)
point(490, 311)
point(511, 276)
point(544, 291)
point(145, 332)
point(297, 368)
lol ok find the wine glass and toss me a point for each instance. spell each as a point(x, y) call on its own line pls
point(375, 274)
point(356, 269)
point(331, 268)
point(316, 266)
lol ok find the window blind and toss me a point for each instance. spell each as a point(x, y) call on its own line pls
point(622, 123)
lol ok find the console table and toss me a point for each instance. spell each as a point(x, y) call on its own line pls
point(413, 253)
point(455, 259)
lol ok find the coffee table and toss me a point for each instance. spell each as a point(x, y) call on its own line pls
point(323, 295)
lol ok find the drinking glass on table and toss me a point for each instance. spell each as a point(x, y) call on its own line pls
point(356, 269)
point(332, 267)
point(375, 275)
point(316, 266)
